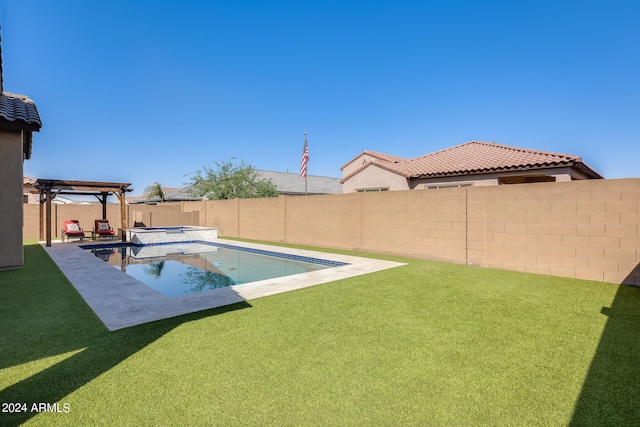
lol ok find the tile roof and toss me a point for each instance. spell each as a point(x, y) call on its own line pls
point(19, 111)
point(470, 158)
point(481, 157)
point(386, 157)
point(171, 194)
point(292, 183)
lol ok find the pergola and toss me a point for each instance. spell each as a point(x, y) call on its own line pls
point(50, 188)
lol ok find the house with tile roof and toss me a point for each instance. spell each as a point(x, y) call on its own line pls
point(471, 163)
point(19, 118)
point(171, 194)
point(29, 194)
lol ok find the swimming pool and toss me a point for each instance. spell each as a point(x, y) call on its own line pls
point(188, 267)
point(121, 301)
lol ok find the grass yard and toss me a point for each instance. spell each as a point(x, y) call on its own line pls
point(424, 344)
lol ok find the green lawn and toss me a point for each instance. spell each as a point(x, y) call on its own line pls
point(424, 344)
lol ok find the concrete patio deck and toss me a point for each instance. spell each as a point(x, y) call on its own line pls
point(121, 301)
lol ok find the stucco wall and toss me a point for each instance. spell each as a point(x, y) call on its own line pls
point(356, 163)
point(11, 214)
point(556, 174)
point(375, 177)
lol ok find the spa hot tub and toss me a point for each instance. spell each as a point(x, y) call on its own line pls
point(150, 235)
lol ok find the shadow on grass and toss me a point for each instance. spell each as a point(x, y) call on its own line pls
point(42, 315)
point(611, 389)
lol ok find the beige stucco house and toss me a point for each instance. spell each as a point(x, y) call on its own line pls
point(471, 163)
point(29, 192)
point(18, 120)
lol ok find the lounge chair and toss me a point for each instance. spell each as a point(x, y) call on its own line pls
point(71, 228)
point(103, 229)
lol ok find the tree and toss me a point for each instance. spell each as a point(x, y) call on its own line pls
point(230, 181)
point(154, 191)
point(205, 279)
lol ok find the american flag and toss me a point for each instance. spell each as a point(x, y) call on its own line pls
point(305, 158)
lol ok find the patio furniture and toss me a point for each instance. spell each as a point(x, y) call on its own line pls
point(71, 228)
point(103, 229)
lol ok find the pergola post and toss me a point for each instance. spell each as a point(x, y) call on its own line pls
point(48, 216)
point(41, 214)
point(123, 215)
point(104, 205)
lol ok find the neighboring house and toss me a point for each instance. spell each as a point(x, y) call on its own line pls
point(471, 163)
point(170, 195)
point(27, 187)
point(287, 184)
point(61, 200)
point(292, 184)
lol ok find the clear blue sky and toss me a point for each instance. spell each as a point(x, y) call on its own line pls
point(145, 91)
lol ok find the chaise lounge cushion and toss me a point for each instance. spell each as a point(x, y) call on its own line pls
point(72, 227)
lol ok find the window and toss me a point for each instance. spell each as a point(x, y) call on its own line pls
point(432, 187)
point(526, 179)
point(370, 190)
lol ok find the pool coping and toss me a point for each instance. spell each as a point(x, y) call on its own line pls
point(120, 301)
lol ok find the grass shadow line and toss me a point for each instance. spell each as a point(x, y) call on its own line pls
point(611, 389)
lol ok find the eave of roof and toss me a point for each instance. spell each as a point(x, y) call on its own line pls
point(476, 157)
point(391, 167)
point(380, 156)
point(18, 112)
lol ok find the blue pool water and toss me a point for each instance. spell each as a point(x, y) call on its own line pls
point(181, 268)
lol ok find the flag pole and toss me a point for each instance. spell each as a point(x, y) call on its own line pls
point(306, 150)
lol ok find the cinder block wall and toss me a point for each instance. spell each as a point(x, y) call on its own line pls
point(583, 229)
point(334, 220)
point(424, 223)
point(223, 215)
point(31, 226)
point(263, 219)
